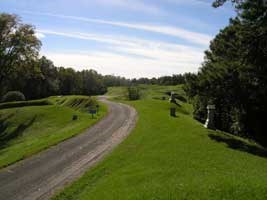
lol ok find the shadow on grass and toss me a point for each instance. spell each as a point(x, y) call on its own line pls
point(175, 116)
point(239, 145)
point(177, 104)
point(5, 137)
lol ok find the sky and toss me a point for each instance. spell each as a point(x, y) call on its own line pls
point(130, 38)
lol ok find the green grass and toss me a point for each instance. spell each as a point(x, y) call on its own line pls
point(27, 130)
point(147, 91)
point(174, 158)
point(117, 92)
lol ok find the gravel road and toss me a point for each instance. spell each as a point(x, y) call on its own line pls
point(41, 175)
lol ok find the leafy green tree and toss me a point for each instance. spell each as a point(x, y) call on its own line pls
point(92, 82)
point(110, 80)
point(18, 46)
point(133, 93)
point(49, 84)
point(68, 81)
point(234, 73)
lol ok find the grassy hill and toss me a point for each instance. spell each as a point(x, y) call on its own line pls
point(174, 158)
point(31, 126)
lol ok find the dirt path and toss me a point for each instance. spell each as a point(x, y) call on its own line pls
point(41, 175)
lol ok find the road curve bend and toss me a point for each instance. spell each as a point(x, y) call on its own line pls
point(40, 176)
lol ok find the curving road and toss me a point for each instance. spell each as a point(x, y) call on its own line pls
point(40, 176)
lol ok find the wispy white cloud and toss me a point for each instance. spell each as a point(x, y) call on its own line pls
point(194, 37)
point(191, 2)
point(83, 36)
point(127, 66)
point(130, 57)
point(119, 40)
point(190, 36)
point(39, 35)
point(135, 5)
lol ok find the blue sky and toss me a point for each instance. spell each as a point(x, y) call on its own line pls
point(131, 38)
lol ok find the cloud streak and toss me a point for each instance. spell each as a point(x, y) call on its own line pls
point(193, 37)
point(39, 35)
point(135, 5)
point(127, 66)
point(130, 57)
point(190, 2)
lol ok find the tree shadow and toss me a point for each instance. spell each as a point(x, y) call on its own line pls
point(239, 145)
point(3, 122)
point(6, 137)
point(176, 116)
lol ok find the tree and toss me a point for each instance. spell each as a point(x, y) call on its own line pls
point(68, 81)
point(18, 46)
point(234, 73)
point(50, 83)
point(219, 3)
point(92, 83)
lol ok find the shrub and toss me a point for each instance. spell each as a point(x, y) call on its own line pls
point(74, 117)
point(13, 96)
point(133, 93)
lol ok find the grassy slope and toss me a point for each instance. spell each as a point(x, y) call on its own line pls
point(174, 158)
point(28, 130)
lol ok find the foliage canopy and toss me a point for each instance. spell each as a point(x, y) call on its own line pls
point(234, 73)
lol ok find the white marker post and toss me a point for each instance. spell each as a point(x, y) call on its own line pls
point(210, 122)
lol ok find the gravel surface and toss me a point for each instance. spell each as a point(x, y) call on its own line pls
point(41, 175)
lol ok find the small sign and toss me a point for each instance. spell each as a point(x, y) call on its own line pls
point(92, 112)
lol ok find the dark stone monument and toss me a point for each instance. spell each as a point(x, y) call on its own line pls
point(210, 122)
point(173, 112)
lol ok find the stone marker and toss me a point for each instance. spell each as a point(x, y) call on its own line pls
point(172, 112)
point(210, 122)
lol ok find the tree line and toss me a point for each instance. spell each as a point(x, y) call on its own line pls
point(234, 74)
point(175, 79)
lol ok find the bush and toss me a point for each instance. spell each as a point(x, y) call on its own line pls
point(13, 96)
point(133, 93)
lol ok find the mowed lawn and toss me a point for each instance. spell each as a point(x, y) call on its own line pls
point(27, 130)
point(174, 158)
